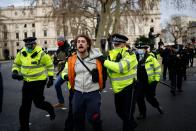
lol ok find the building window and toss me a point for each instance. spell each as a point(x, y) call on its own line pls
point(152, 20)
point(5, 44)
point(33, 34)
point(23, 12)
point(25, 25)
point(18, 50)
point(43, 2)
point(5, 35)
point(16, 13)
point(43, 10)
point(45, 42)
point(25, 34)
point(45, 33)
point(17, 35)
point(33, 25)
point(17, 43)
point(16, 25)
point(58, 32)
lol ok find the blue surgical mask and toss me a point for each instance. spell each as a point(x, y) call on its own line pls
point(141, 54)
point(140, 51)
point(29, 50)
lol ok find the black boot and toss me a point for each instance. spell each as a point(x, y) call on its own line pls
point(97, 126)
point(24, 129)
point(69, 125)
point(173, 93)
point(52, 115)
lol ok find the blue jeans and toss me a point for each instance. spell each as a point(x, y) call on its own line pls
point(59, 81)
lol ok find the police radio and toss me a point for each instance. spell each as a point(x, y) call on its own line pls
point(118, 57)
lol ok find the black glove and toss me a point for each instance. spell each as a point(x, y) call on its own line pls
point(66, 78)
point(102, 59)
point(50, 82)
point(16, 76)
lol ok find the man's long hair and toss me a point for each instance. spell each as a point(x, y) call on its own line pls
point(89, 42)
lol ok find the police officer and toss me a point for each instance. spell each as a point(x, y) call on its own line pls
point(121, 67)
point(148, 74)
point(33, 66)
point(176, 65)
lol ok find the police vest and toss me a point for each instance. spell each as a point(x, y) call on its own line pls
point(122, 73)
point(33, 66)
point(153, 69)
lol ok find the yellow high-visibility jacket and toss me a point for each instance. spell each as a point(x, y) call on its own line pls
point(153, 68)
point(33, 66)
point(124, 72)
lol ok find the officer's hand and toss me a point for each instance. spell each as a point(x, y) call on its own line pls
point(16, 76)
point(66, 78)
point(50, 82)
point(101, 59)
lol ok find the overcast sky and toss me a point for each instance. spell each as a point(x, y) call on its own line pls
point(166, 9)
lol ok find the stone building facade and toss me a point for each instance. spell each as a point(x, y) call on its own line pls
point(17, 23)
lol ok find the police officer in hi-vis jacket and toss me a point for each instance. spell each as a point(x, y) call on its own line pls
point(35, 68)
point(148, 75)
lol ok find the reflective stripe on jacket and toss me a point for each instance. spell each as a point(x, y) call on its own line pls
point(153, 69)
point(33, 68)
point(121, 73)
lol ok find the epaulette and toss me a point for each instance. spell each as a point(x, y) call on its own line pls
point(34, 54)
point(130, 52)
point(24, 53)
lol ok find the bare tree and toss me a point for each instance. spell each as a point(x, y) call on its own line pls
point(176, 27)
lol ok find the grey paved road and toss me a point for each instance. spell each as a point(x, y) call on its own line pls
point(180, 111)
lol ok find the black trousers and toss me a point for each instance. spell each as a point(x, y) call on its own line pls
point(32, 91)
point(191, 60)
point(176, 80)
point(124, 104)
point(1, 93)
point(148, 92)
point(69, 123)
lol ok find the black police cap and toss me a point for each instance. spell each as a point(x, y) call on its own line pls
point(143, 47)
point(29, 39)
point(118, 38)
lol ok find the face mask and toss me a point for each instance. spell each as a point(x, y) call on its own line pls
point(29, 50)
point(60, 43)
point(141, 54)
point(140, 51)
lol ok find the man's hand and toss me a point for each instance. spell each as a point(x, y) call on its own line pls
point(50, 82)
point(102, 59)
point(16, 76)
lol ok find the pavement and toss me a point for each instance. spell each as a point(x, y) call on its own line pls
point(179, 110)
